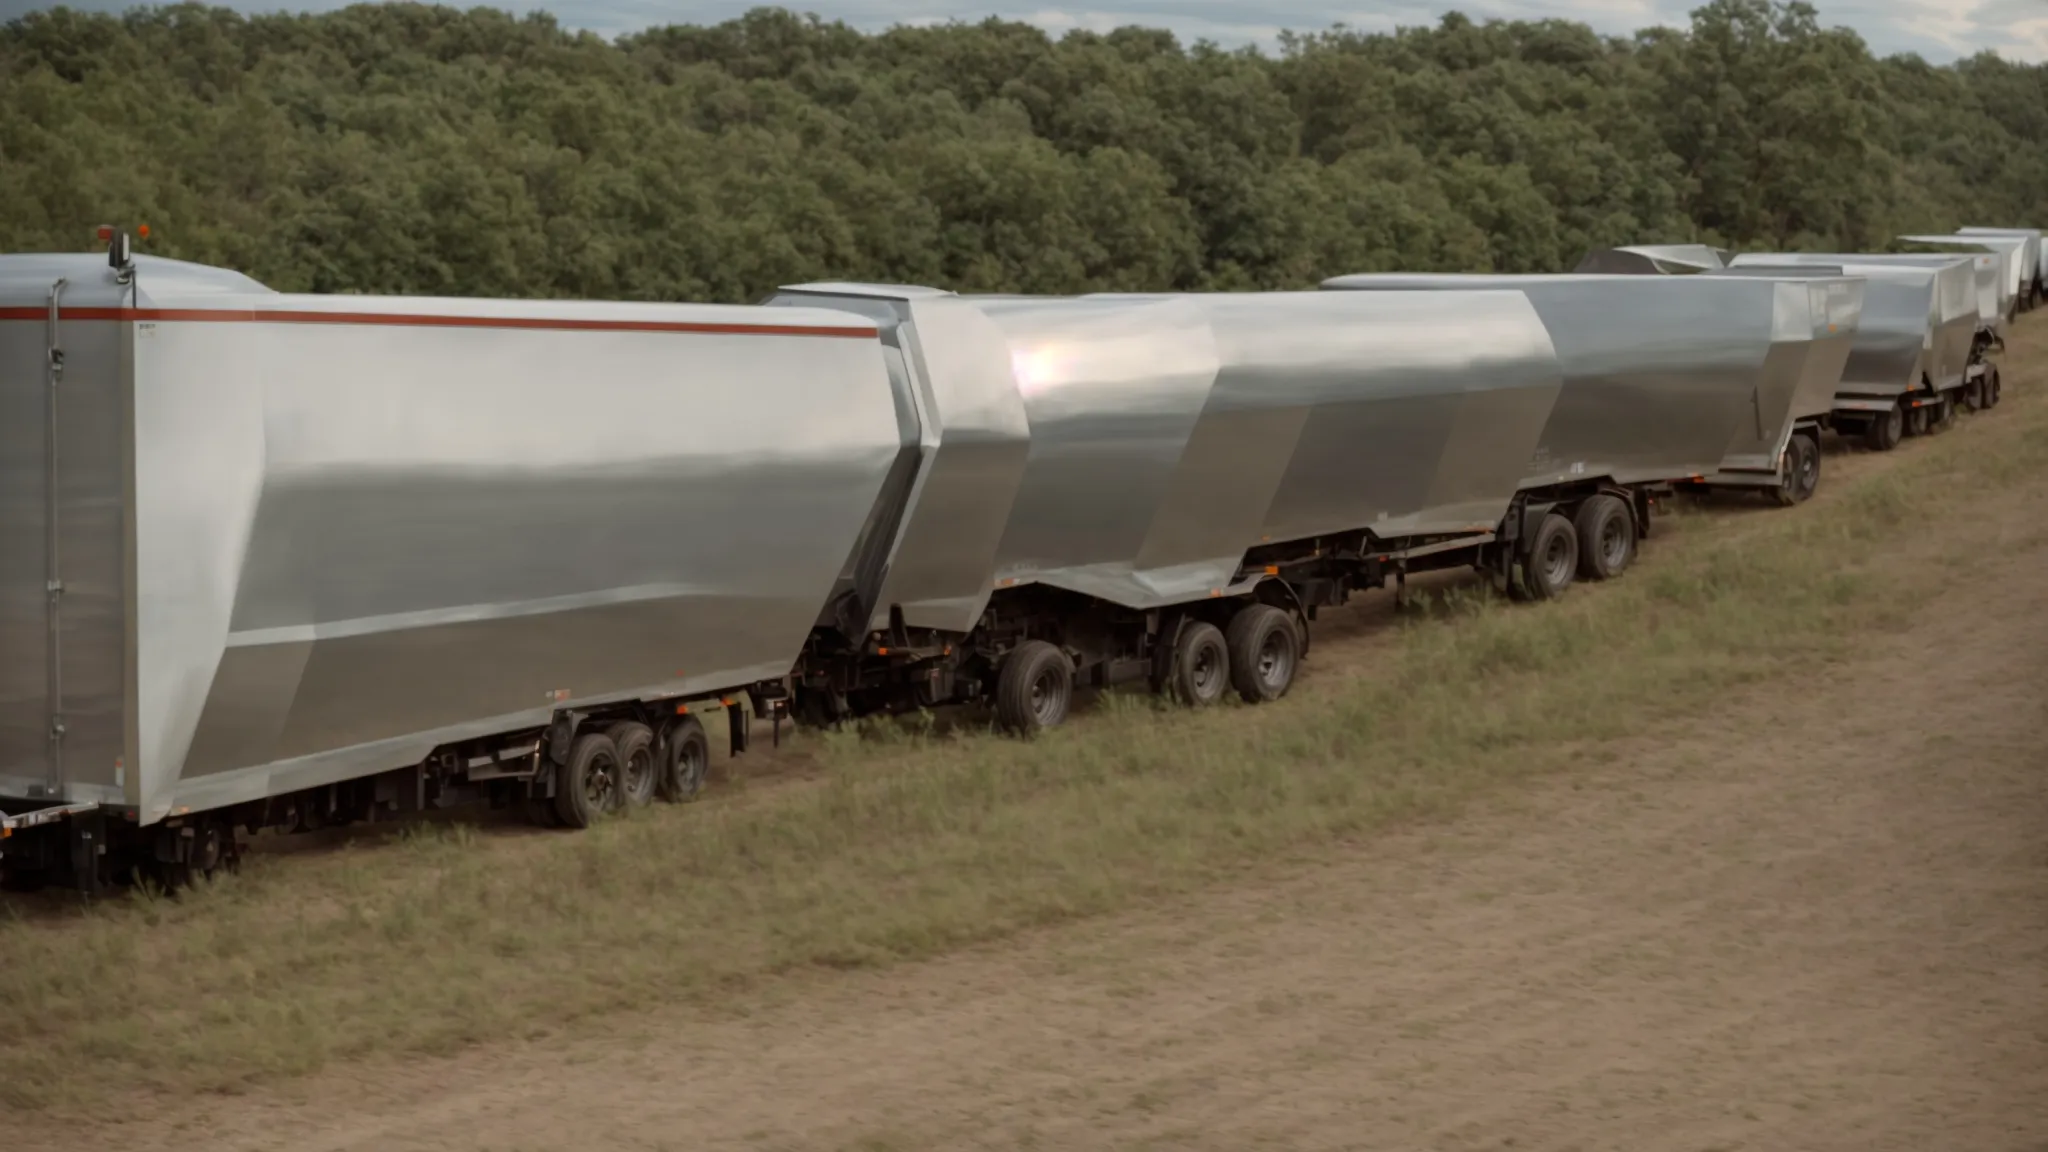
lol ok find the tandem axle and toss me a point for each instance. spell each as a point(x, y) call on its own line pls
point(1036, 645)
point(584, 764)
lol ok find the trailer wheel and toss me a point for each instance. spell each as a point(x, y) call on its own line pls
point(1034, 689)
point(1885, 432)
point(1553, 558)
point(1916, 422)
point(1809, 465)
point(180, 862)
point(1973, 395)
point(1200, 672)
point(587, 786)
point(639, 775)
point(689, 758)
point(1607, 537)
point(1994, 388)
point(1799, 471)
point(1265, 650)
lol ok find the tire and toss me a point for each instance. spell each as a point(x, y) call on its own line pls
point(1994, 388)
point(1035, 688)
point(1265, 652)
point(1200, 671)
point(587, 785)
point(1916, 422)
point(1809, 465)
point(1606, 530)
point(1553, 559)
point(688, 758)
point(1973, 395)
point(639, 772)
point(211, 852)
point(1800, 472)
point(1787, 491)
point(1886, 431)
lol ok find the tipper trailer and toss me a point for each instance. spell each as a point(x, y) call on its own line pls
point(2033, 263)
point(272, 560)
point(1168, 486)
point(1910, 367)
point(1997, 264)
point(1115, 486)
point(1988, 324)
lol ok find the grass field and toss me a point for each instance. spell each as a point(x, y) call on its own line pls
point(906, 843)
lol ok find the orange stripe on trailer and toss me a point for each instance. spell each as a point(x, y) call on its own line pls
point(405, 320)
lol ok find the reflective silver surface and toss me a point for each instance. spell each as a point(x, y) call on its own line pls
point(1916, 326)
point(1661, 259)
point(1957, 298)
point(1413, 409)
point(973, 437)
point(2015, 252)
point(1167, 434)
point(2035, 260)
point(358, 527)
point(1814, 323)
point(1997, 276)
point(1665, 377)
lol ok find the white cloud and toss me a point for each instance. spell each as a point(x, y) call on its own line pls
point(1939, 30)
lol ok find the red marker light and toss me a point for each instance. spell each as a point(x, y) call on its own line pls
point(106, 232)
point(142, 230)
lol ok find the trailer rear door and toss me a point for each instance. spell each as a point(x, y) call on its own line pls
point(63, 587)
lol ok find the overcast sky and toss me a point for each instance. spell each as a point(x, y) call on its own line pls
point(1937, 29)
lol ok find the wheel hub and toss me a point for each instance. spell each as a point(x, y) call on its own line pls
point(1274, 661)
point(1556, 560)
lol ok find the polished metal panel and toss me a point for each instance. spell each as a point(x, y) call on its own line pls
point(2017, 258)
point(1659, 371)
point(2034, 263)
point(974, 439)
point(1403, 413)
point(87, 692)
point(1662, 259)
point(1896, 347)
point(1169, 433)
point(363, 526)
point(1961, 281)
point(1997, 274)
point(1814, 323)
point(1113, 391)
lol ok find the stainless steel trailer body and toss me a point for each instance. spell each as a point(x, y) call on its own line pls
point(1663, 259)
point(1913, 345)
point(1116, 458)
point(1813, 327)
point(1983, 269)
point(1131, 448)
point(2034, 262)
point(1918, 321)
point(304, 539)
point(1997, 262)
point(1673, 378)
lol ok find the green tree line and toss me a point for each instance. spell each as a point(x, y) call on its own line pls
point(414, 149)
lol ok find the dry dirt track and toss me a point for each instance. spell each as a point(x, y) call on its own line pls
point(1820, 922)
